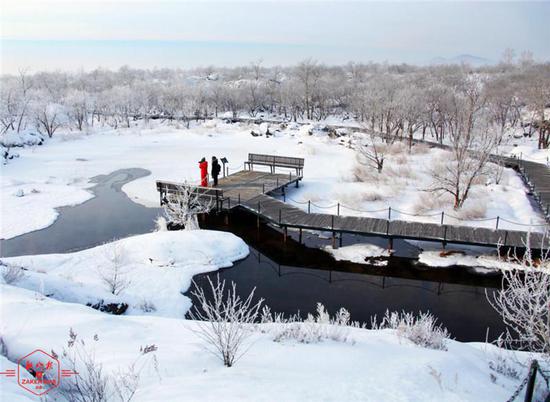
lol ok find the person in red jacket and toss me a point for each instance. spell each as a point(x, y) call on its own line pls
point(203, 166)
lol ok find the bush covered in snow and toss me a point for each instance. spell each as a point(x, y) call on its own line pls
point(11, 274)
point(14, 139)
point(224, 320)
point(422, 330)
point(315, 328)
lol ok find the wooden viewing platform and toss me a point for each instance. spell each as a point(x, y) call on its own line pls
point(250, 189)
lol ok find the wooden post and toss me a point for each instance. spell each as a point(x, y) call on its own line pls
point(285, 234)
point(531, 382)
point(280, 213)
point(389, 213)
point(333, 239)
point(340, 239)
point(390, 244)
point(338, 209)
point(309, 207)
point(442, 217)
point(498, 218)
point(300, 236)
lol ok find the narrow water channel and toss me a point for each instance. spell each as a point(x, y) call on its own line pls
point(291, 277)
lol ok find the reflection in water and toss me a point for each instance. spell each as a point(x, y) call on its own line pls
point(292, 278)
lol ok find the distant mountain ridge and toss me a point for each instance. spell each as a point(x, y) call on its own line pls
point(462, 59)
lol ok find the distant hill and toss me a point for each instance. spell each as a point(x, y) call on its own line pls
point(462, 59)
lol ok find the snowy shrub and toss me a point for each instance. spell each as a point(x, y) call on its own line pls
point(224, 320)
point(147, 306)
point(93, 384)
point(523, 303)
point(473, 209)
point(427, 201)
point(182, 207)
point(422, 330)
point(374, 194)
point(397, 148)
point(161, 225)
point(12, 274)
point(400, 159)
point(420, 149)
point(315, 328)
point(503, 366)
point(114, 273)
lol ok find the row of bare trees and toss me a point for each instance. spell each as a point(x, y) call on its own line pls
point(397, 100)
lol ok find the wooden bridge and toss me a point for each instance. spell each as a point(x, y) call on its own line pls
point(251, 190)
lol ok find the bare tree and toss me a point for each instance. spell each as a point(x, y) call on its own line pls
point(524, 303)
point(114, 274)
point(471, 141)
point(371, 153)
point(224, 320)
point(182, 206)
point(308, 73)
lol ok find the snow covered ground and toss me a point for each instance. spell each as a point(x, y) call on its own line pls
point(358, 253)
point(370, 366)
point(149, 272)
point(58, 173)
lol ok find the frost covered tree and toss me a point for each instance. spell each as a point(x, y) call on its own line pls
point(114, 273)
point(308, 73)
point(370, 153)
point(472, 141)
point(182, 206)
point(524, 303)
point(224, 319)
point(48, 116)
point(78, 104)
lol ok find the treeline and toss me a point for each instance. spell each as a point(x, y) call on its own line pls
point(392, 99)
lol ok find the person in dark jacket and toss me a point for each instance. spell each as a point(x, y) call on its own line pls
point(216, 168)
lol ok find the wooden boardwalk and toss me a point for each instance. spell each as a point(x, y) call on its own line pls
point(251, 190)
point(287, 216)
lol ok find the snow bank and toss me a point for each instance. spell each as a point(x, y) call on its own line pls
point(378, 366)
point(10, 391)
point(14, 139)
point(486, 263)
point(358, 253)
point(154, 270)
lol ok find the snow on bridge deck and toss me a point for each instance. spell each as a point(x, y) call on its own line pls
point(251, 190)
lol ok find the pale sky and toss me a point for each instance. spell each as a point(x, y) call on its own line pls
point(61, 34)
